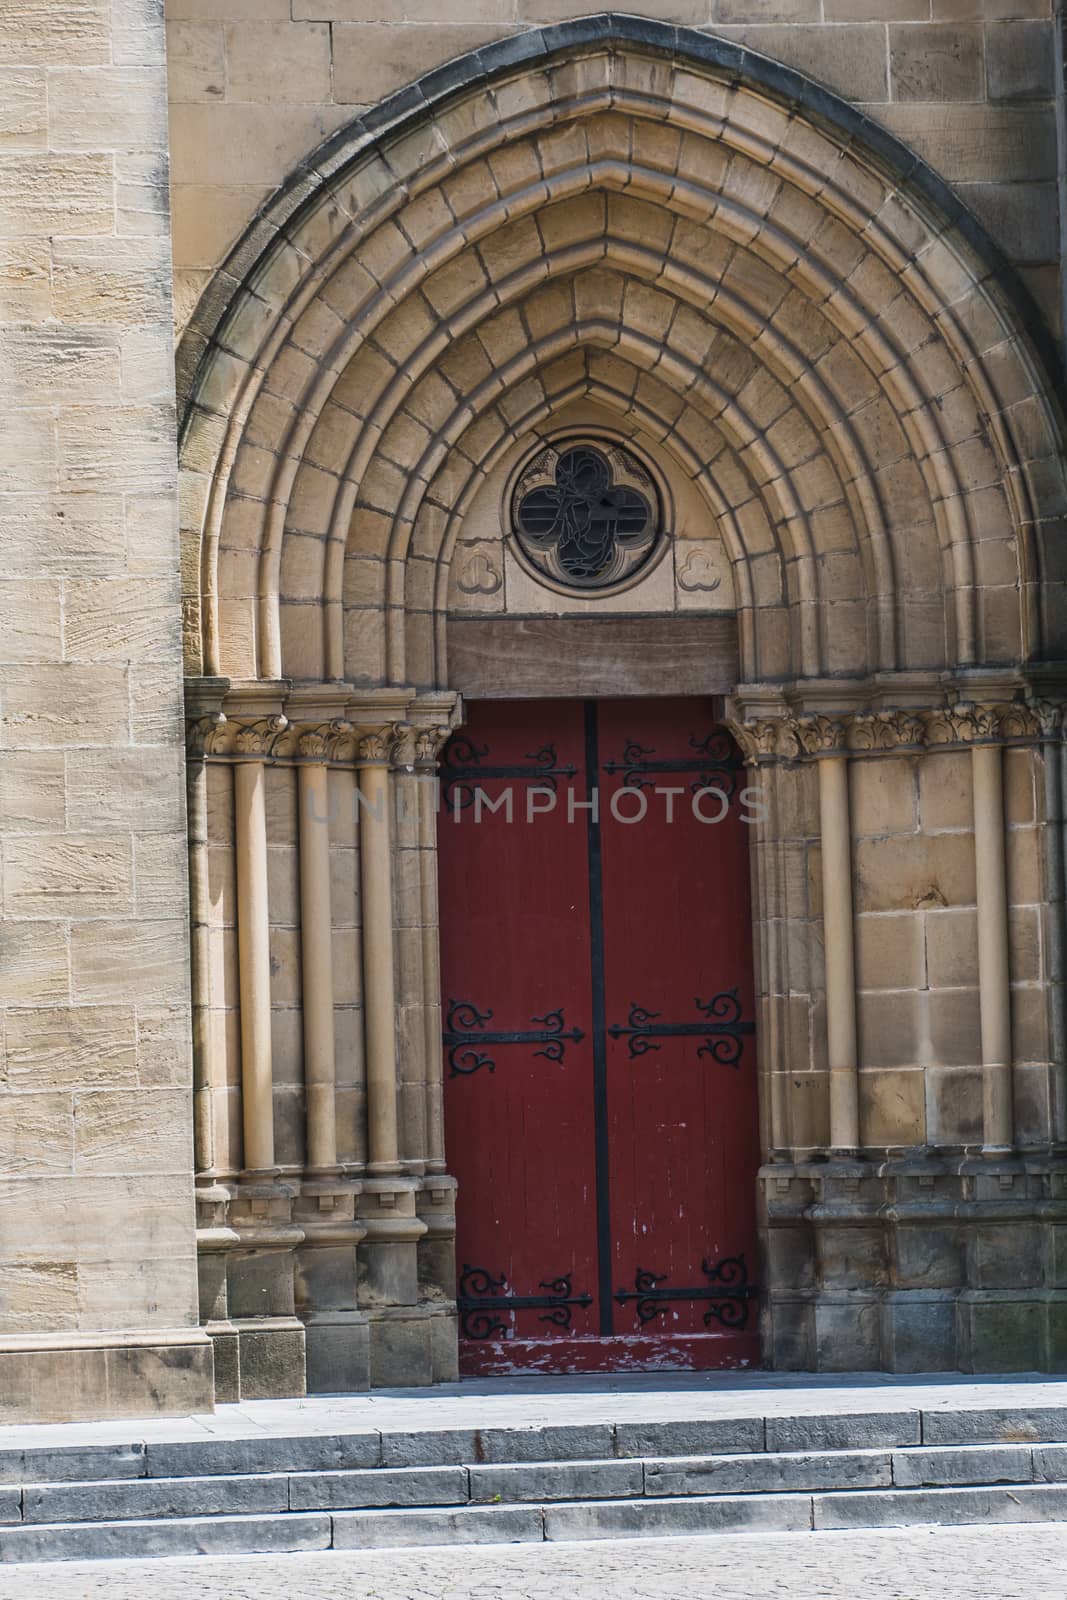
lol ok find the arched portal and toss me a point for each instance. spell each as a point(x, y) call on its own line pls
point(637, 233)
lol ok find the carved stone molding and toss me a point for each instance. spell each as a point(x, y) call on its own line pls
point(400, 745)
point(791, 737)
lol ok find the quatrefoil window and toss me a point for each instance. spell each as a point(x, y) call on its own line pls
point(586, 515)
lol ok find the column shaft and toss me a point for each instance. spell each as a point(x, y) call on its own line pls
point(316, 941)
point(431, 972)
point(993, 971)
point(199, 915)
point(253, 942)
point(1054, 755)
point(379, 981)
point(838, 937)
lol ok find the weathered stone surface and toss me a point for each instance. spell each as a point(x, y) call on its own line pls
point(973, 1464)
point(155, 1497)
point(1018, 1425)
point(66, 1383)
point(372, 59)
point(298, 1453)
point(864, 1431)
point(410, 1486)
point(595, 1480)
point(279, 61)
point(54, 33)
point(642, 1518)
point(192, 1536)
point(769, 1473)
point(42, 194)
point(709, 1436)
point(96, 1462)
point(85, 313)
point(354, 1530)
point(547, 1443)
point(936, 63)
point(1021, 1503)
point(436, 1447)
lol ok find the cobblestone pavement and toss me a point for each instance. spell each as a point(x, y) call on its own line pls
point(987, 1562)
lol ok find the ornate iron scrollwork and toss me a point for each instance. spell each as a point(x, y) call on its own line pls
point(462, 771)
point(481, 1299)
point(465, 1034)
point(728, 1290)
point(585, 516)
point(716, 762)
point(723, 1029)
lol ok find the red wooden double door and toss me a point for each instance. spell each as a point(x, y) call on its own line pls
point(599, 1046)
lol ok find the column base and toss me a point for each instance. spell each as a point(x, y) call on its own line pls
point(260, 1358)
point(79, 1377)
point(412, 1347)
point(338, 1352)
point(933, 1263)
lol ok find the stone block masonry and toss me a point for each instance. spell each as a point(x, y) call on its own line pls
point(97, 1245)
point(254, 85)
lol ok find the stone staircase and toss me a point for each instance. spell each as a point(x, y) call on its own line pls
point(611, 1479)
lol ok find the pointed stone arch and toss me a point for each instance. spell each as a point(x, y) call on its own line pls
point(619, 183)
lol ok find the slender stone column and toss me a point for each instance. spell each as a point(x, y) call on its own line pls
point(1053, 754)
point(755, 739)
point(253, 937)
point(199, 914)
point(993, 971)
point(427, 749)
point(825, 738)
point(316, 930)
point(379, 978)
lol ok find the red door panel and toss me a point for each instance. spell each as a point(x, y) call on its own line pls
point(599, 1054)
point(515, 960)
point(681, 1100)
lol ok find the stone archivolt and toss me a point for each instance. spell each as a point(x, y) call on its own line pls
point(620, 223)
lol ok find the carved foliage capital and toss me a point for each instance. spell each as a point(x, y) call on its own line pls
point(207, 736)
point(372, 746)
point(429, 742)
point(818, 735)
point(757, 739)
point(402, 745)
point(886, 730)
point(328, 741)
point(791, 738)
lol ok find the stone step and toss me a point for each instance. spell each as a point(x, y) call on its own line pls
point(265, 1453)
point(669, 1477)
point(568, 1520)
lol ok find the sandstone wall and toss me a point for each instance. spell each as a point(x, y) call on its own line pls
point(256, 84)
point(96, 1237)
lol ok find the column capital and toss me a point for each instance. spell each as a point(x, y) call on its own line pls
point(819, 735)
point(788, 736)
point(429, 742)
point(256, 741)
point(326, 741)
point(374, 746)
